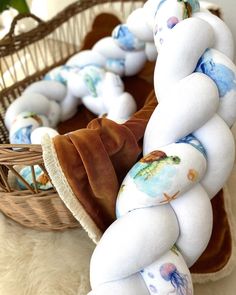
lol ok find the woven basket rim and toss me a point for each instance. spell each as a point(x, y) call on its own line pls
point(26, 194)
point(14, 202)
point(45, 27)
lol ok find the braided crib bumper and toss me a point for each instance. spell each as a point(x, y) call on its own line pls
point(91, 77)
point(164, 214)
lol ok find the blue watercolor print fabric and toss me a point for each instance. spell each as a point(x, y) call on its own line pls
point(126, 39)
point(223, 76)
point(179, 281)
point(22, 135)
point(154, 174)
point(193, 141)
point(92, 76)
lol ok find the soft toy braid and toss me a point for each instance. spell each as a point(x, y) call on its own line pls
point(163, 206)
point(91, 77)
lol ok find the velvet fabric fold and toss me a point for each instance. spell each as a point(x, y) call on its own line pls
point(96, 159)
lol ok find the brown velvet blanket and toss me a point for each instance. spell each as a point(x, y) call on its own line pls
point(88, 165)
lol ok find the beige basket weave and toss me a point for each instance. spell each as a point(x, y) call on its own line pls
point(24, 59)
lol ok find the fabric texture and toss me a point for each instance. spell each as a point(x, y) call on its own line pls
point(88, 164)
point(94, 160)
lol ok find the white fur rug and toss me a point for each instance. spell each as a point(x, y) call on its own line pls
point(48, 263)
point(42, 263)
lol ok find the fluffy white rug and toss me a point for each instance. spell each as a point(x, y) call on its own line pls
point(49, 263)
point(42, 263)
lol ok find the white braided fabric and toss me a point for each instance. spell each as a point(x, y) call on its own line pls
point(164, 214)
point(93, 76)
point(90, 77)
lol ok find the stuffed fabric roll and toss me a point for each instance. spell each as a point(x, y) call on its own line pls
point(164, 215)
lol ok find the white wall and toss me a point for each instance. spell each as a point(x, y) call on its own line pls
point(46, 9)
point(229, 15)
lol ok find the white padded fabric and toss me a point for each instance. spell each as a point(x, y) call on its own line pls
point(188, 154)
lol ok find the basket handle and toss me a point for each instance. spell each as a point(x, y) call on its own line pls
point(20, 16)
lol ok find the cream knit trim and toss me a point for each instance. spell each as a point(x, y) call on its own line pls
point(64, 190)
point(228, 268)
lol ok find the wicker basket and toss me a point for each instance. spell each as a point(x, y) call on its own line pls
point(24, 59)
